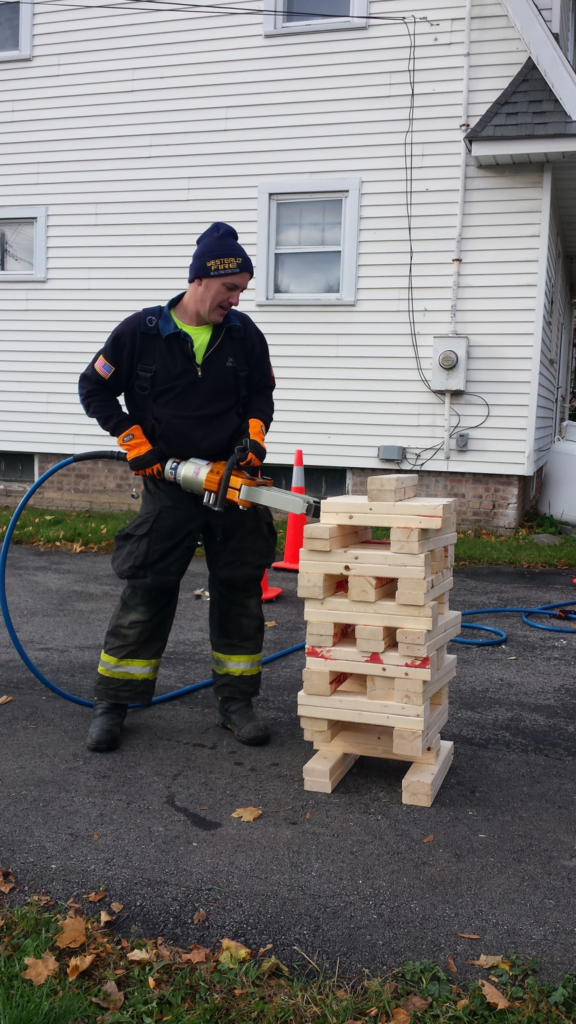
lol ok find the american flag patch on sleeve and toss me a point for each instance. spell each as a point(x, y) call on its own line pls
point(103, 368)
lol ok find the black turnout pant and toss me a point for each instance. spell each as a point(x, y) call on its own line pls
point(152, 554)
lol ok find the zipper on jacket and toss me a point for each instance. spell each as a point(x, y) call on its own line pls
point(197, 365)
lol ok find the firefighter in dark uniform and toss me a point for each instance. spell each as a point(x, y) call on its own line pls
point(197, 383)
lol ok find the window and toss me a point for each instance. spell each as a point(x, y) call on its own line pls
point(15, 30)
point(15, 467)
point(22, 243)
point(307, 242)
point(314, 15)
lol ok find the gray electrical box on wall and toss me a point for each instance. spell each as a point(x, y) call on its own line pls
point(449, 361)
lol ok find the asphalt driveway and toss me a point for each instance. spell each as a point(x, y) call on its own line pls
point(341, 876)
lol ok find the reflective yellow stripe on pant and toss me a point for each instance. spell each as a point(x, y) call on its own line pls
point(128, 668)
point(236, 664)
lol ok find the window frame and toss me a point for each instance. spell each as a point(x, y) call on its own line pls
point(273, 23)
point(38, 214)
point(24, 51)
point(270, 192)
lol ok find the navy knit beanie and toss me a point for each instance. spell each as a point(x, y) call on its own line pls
point(219, 253)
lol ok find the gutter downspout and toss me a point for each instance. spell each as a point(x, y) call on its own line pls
point(457, 259)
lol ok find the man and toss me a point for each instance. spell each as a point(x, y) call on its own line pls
point(197, 382)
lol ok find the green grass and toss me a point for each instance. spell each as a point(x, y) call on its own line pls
point(94, 531)
point(237, 986)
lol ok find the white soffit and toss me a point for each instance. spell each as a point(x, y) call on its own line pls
point(530, 150)
point(544, 51)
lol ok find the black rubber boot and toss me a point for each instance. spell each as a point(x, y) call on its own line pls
point(239, 716)
point(106, 726)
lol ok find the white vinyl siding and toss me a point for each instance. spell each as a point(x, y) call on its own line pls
point(136, 135)
point(557, 345)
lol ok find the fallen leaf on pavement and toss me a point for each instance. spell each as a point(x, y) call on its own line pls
point(197, 955)
point(5, 699)
point(487, 961)
point(271, 624)
point(451, 965)
point(465, 935)
point(164, 953)
point(95, 836)
point(199, 917)
point(141, 956)
point(94, 897)
point(7, 881)
point(72, 933)
point(264, 949)
point(493, 996)
point(414, 1002)
point(79, 964)
point(41, 901)
point(429, 839)
point(72, 904)
point(232, 952)
point(117, 907)
point(246, 813)
point(308, 815)
point(40, 970)
point(105, 917)
point(400, 1015)
point(462, 1003)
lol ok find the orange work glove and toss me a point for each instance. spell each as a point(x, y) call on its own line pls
point(143, 458)
point(253, 446)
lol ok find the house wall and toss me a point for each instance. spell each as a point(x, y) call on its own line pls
point(135, 135)
point(557, 345)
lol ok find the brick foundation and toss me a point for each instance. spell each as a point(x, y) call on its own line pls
point(492, 501)
point(86, 485)
point(488, 500)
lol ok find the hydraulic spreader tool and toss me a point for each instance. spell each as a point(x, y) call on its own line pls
point(225, 482)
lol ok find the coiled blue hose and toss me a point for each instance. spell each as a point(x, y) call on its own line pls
point(499, 637)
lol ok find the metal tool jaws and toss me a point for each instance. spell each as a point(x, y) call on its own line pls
point(282, 501)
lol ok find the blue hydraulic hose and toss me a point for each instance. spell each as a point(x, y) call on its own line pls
point(499, 637)
point(87, 456)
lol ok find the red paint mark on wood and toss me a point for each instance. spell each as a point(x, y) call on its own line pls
point(342, 587)
point(318, 652)
point(418, 663)
point(374, 659)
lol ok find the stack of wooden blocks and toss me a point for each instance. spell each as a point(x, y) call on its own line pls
point(378, 622)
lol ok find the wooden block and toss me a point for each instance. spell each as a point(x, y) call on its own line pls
point(422, 782)
point(385, 612)
point(390, 481)
point(373, 741)
point(345, 537)
point(418, 691)
point(345, 657)
point(345, 565)
point(440, 697)
point(322, 736)
point(325, 770)
point(317, 724)
point(443, 602)
point(380, 688)
point(370, 588)
point(360, 708)
point(411, 741)
point(427, 509)
point(409, 597)
point(412, 635)
point(318, 585)
point(322, 682)
point(421, 547)
point(396, 518)
point(372, 632)
point(325, 634)
point(441, 654)
point(425, 585)
point(376, 646)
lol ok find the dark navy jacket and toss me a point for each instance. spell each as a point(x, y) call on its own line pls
point(190, 411)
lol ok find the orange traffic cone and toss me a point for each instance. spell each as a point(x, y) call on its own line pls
point(269, 593)
point(296, 522)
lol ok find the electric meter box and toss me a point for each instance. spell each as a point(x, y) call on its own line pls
point(449, 360)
